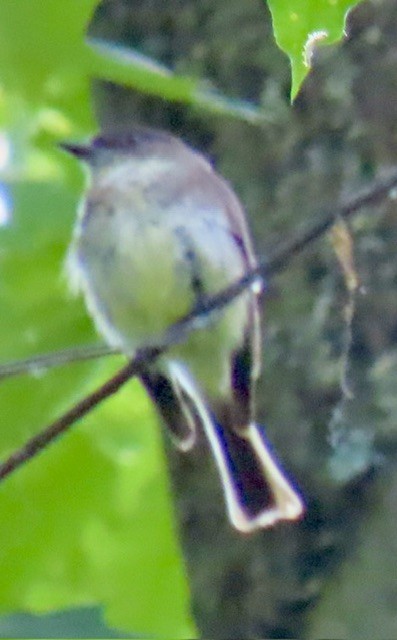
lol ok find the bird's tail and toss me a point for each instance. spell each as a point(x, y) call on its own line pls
point(257, 492)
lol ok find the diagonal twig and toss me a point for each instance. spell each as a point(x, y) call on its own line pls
point(59, 426)
point(177, 332)
point(39, 363)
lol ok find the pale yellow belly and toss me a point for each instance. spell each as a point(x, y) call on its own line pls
point(137, 284)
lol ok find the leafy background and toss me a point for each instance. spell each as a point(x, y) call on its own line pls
point(90, 522)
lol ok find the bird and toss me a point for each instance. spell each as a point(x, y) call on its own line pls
point(159, 232)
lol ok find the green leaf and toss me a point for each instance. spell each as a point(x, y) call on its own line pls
point(301, 25)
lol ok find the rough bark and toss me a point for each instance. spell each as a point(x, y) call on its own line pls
point(331, 574)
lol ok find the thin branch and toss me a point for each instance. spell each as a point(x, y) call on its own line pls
point(177, 332)
point(54, 430)
point(376, 192)
point(37, 364)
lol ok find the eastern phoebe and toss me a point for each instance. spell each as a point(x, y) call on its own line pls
point(158, 231)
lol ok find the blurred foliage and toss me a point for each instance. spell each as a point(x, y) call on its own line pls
point(89, 521)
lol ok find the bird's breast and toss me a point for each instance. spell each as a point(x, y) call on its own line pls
point(142, 271)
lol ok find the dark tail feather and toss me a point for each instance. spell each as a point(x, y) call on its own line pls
point(174, 408)
point(256, 490)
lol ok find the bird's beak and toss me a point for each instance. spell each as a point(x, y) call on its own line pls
point(81, 151)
